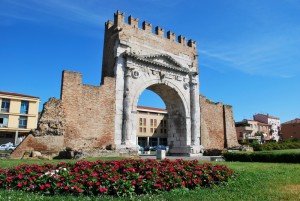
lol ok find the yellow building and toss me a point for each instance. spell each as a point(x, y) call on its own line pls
point(18, 115)
point(152, 126)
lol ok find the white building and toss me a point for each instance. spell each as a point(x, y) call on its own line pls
point(271, 120)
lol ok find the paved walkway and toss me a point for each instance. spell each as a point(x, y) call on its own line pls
point(203, 158)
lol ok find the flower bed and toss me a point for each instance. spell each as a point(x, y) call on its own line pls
point(121, 177)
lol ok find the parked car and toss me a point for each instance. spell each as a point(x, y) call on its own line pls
point(141, 148)
point(148, 148)
point(160, 147)
point(5, 146)
point(11, 148)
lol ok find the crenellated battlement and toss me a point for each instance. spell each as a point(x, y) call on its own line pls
point(119, 21)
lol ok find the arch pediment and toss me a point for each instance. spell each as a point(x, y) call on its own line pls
point(160, 60)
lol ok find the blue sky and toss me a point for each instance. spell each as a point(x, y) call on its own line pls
point(249, 51)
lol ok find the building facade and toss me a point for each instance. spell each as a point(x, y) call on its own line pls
point(18, 115)
point(251, 130)
point(271, 120)
point(291, 129)
point(152, 126)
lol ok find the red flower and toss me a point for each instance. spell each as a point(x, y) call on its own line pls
point(66, 188)
point(47, 185)
point(42, 187)
point(103, 190)
point(19, 185)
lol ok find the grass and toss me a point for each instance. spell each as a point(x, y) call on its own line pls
point(254, 181)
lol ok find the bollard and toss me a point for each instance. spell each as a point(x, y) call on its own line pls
point(160, 154)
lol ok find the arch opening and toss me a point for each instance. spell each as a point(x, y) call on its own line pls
point(161, 126)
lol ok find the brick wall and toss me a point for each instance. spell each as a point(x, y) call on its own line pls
point(43, 144)
point(89, 112)
point(217, 125)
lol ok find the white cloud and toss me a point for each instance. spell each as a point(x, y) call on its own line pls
point(69, 10)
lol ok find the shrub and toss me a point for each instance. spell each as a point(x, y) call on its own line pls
point(212, 152)
point(119, 178)
point(289, 144)
point(263, 157)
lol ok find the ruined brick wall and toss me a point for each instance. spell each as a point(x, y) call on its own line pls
point(52, 118)
point(230, 131)
point(217, 125)
point(43, 144)
point(89, 112)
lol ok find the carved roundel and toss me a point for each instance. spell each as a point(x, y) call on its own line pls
point(135, 74)
point(186, 85)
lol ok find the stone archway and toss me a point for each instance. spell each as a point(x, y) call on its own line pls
point(176, 85)
point(178, 114)
point(138, 59)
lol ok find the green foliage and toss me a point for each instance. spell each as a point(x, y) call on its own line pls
point(263, 157)
point(288, 144)
point(254, 181)
point(258, 133)
point(122, 178)
point(212, 152)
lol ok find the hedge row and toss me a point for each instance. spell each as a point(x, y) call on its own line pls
point(277, 146)
point(263, 157)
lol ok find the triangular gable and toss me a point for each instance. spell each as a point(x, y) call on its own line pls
point(164, 59)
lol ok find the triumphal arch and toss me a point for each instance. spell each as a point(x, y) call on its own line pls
point(103, 119)
point(140, 59)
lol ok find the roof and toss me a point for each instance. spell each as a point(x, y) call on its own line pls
point(294, 121)
point(16, 94)
point(269, 116)
point(248, 120)
point(151, 108)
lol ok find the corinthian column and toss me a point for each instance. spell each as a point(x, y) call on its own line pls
point(126, 108)
point(195, 110)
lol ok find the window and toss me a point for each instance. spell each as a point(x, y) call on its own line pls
point(24, 107)
point(141, 129)
point(5, 105)
point(155, 122)
point(22, 122)
point(151, 122)
point(153, 141)
point(151, 130)
point(141, 121)
point(3, 121)
point(144, 121)
point(145, 130)
point(163, 141)
point(241, 134)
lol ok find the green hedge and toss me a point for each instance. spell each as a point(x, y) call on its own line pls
point(263, 157)
point(290, 144)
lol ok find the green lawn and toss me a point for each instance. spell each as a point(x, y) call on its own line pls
point(254, 181)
